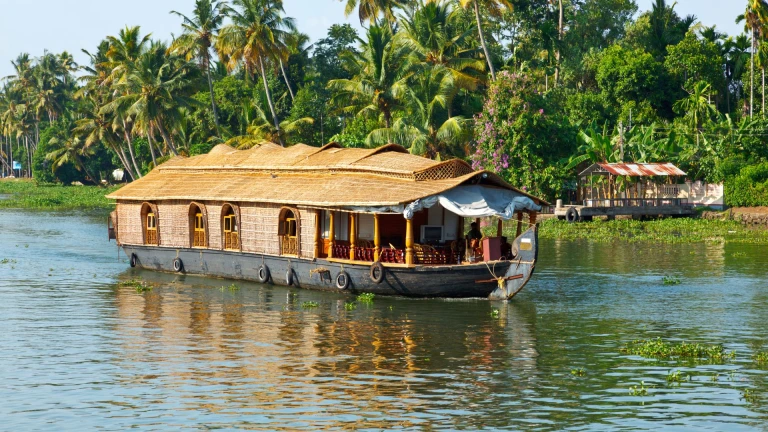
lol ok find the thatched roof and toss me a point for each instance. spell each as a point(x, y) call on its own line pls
point(329, 176)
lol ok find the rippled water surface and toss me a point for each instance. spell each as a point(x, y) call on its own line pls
point(80, 352)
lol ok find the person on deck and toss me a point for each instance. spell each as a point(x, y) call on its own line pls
point(474, 232)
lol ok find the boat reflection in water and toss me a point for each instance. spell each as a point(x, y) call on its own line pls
point(256, 353)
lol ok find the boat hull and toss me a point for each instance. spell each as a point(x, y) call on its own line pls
point(419, 281)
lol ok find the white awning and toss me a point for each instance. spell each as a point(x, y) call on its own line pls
point(476, 201)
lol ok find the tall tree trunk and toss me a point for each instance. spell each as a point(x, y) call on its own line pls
point(123, 160)
point(166, 138)
point(151, 147)
point(752, 77)
point(210, 88)
point(559, 43)
point(28, 145)
point(287, 83)
point(482, 40)
point(130, 149)
point(275, 120)
point(762, 69)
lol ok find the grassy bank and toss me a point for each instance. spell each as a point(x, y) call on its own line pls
point(26, 194)
point(664, 231)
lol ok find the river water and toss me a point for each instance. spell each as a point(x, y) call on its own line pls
point(80, 352)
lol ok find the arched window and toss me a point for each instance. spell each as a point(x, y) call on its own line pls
point(198, 225)
point(230, 228)
point(288, 231)
point(149, 224)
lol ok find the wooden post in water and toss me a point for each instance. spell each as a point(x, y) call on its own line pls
point(352, 236)
point(317, 235)
point(519, 224)
point(376, 237)
point(408, 242)
point(331, 234)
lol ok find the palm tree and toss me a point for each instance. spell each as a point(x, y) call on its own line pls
point(697, 105)
point(370, 10)
point(69, 148)
point(755, 18)
point(199, 35)
point(260, 129)
point(295, 42)
point(493, 8)
point(431, 32)
point(258, 33)
point(379, 74)
point(425, 128)
point(762, 61)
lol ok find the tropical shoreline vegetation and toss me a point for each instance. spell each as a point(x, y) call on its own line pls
point(29, 195)
point(531, 89)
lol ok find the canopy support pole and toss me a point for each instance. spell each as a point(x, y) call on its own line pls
point(533, 218)
point(499, 228)
point(331, 234)
point(317, 235)
point(408, 242)
point(352, 236)
point(376, 237)
point(519, 224)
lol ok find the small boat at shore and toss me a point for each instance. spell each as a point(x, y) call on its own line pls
point(343, 219)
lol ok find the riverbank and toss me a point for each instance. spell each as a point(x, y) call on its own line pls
point(26, 194)
point(682, 230)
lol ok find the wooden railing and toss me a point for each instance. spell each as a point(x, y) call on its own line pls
point(198, 239)
point(635, 202)
point(231, 240)
point(151, 237)
point(289, 245)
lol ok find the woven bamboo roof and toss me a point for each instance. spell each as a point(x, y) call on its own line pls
point(329, 176)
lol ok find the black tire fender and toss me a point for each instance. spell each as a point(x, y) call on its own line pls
point(572, 215)
point(134, 260)
point(178, 266)
point(377, 272)
point(262, 274)
point(289, 276)
point(342, 280)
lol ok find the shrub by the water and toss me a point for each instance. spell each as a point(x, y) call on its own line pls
point(749, 188)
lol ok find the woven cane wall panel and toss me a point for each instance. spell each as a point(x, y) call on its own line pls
point(307, 231)
point(259, 230)
point(214, 224)
point(129, 218)
point(174, 226)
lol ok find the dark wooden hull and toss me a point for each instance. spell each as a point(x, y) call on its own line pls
point(419, 281)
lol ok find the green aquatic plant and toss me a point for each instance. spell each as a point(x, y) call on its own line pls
point(739, 254)
point(350, 306)
point(671, 230)
point(671, 280)
point(366, 298)
point(658, 349)
point(640, 390)
point(677, 377)
point(495, 313)
point(231, 288)
point(139, 285)
point(309, 304)
point(579, 372)
point(749, 396)
point(30, 195)
point(761, 358)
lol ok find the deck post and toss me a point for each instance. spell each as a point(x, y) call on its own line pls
point(352, 236)
point(533, 218)
point(316, 245)
point(376, 237)
point(331, 234)
point(499, 227)
point(519, 224)
point(408, 242)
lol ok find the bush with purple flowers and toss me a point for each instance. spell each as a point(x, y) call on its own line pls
point(522, 135)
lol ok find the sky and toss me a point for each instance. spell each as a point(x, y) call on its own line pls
point(70, 25)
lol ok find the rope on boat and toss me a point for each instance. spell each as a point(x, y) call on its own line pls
point(499, 280)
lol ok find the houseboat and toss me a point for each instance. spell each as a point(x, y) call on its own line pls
point(379, 220)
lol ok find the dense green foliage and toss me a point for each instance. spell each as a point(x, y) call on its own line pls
point(531, 89)
point(749, 187)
